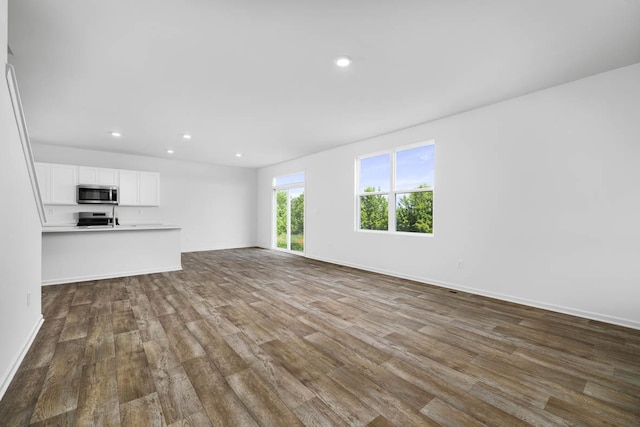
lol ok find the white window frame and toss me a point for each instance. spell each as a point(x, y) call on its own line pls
point(392, 193)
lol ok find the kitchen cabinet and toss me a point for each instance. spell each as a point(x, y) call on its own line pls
point(57, 183)
point(63, 184)
point(139, 188)
point(129, 188)
point(98, 176)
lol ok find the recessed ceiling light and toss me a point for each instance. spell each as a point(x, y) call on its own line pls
point(170, 151)
point(238, 154)
point(115, 134)
point(186, 136)
point(343, 61)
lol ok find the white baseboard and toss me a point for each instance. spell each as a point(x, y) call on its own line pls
point(60, 281)
point(504, 297)
point(4, 383)
point(207, 249)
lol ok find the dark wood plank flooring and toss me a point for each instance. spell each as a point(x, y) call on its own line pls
point(252, 337)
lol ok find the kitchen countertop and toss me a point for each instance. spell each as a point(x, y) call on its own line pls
point(106, 228)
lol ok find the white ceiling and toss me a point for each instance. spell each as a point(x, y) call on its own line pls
point(258, 77)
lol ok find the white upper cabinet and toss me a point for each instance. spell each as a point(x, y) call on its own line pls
point(100, 176)
point(129, 188)
point(87, 175)
point(108, 176)
point(58, 183)
point(62, 184)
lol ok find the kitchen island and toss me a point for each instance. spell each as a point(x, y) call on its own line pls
point(77, 254)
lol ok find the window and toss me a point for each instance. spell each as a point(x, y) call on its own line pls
point(395, 190)
point(288, 218)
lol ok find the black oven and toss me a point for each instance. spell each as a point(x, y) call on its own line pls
point(95, 219)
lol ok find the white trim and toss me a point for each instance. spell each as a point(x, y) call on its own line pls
point(628, 323)
point(4, 385)
point(287, 251)
point(415, 190)
point(374, 193)
point(217, 249)
point(395, 233)
point(108, 276)
point(18, 111)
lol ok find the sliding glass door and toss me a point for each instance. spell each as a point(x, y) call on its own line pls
point(288, 224)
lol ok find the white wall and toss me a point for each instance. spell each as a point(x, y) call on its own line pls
point(537, 195)
point(21, 238)
point(214, 205)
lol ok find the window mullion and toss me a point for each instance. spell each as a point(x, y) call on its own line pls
point(374, 193)
point(417, 190)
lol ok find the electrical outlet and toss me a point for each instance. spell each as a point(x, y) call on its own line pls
point(50, 210)
point(139, 211)
point(460, 264)
point(28, 299)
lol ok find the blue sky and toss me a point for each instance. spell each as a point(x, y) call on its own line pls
point(375, 172)
point(414, 167)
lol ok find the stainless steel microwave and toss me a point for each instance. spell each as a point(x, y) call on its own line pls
point(98, 194)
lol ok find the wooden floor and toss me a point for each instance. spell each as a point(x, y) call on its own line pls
point(254, 337)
